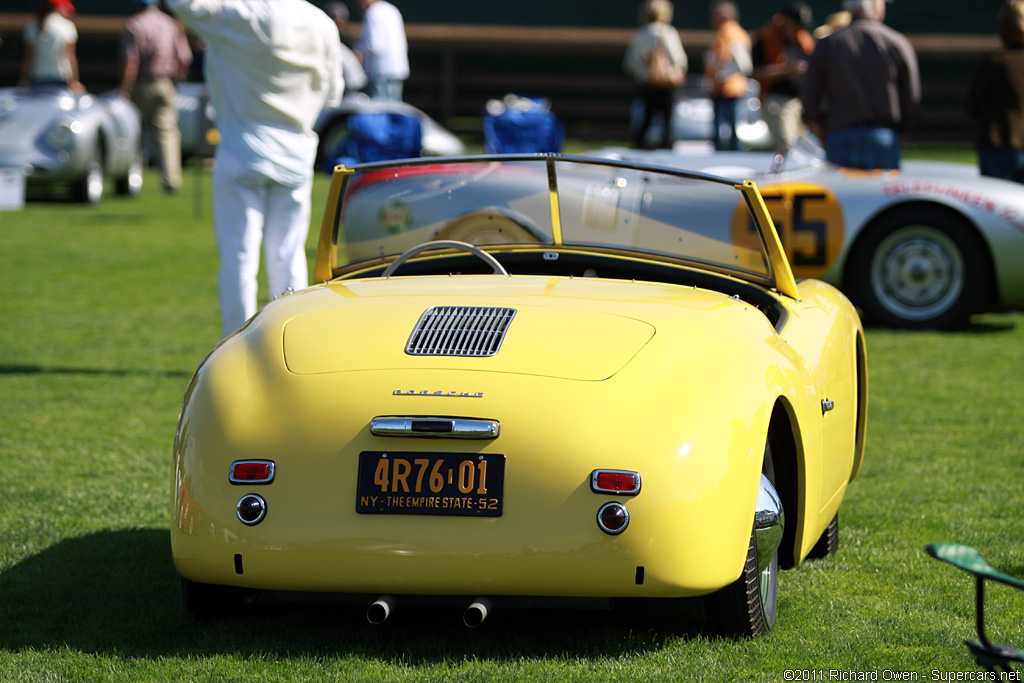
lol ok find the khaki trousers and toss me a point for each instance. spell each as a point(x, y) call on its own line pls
point(155, 100)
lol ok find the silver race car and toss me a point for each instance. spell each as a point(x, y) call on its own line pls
point(71, 143)
point(922, 247)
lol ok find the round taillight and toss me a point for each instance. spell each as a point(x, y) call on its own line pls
point(251, 509)
point(613, 518)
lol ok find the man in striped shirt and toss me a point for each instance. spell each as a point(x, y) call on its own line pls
point(154, 54)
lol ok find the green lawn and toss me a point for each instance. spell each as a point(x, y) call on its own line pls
point(107, 311)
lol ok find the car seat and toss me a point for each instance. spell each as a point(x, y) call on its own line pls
point(521, 124)
point(379, 136)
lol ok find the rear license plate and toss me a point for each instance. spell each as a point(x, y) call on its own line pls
point(405, 483)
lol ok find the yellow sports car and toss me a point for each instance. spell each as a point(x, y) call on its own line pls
point(521, 378)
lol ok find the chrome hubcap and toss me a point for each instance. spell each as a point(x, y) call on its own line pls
point(917, 272)
point(769, 585)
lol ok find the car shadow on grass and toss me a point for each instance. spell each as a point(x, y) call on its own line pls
point(117, 593)
point(27, 369)
point(991, 323)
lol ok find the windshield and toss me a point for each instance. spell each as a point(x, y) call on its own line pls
point(550, 202)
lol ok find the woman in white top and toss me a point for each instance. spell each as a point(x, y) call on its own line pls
point(656, 60)
point(50, 42)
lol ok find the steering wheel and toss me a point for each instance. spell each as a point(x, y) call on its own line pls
point(445, 244)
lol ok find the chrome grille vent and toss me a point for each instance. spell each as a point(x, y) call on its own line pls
point(460, 331)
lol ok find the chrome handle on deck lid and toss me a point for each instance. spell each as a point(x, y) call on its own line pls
point(435, 427)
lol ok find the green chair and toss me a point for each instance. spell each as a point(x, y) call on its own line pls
point(987, 654)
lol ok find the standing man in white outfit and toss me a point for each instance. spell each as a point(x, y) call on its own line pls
point(271, 66)
point(383, 49)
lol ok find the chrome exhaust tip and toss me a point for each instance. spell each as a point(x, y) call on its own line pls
point(379, 611)
point(476, 612)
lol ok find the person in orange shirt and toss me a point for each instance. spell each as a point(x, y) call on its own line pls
point(781, 50)
point(727, 64)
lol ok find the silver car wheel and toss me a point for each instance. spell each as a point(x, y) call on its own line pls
point(917, 273)
point(131, 183)
point(749, 605)
point(92, 183)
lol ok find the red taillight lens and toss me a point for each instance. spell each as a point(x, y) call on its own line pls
point(615, 481)
point(251, 472)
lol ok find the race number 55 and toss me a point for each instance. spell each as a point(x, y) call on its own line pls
point(809, 221)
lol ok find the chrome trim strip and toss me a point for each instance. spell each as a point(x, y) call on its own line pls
point(446, 394)
point(435, 427)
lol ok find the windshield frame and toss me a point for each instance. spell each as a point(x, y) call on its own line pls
point(778, 277)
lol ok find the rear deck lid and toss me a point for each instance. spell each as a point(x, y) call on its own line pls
point(520, 339)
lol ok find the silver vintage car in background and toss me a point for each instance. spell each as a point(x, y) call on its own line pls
point(71, 143)
point(923, 247)
point(693, 118)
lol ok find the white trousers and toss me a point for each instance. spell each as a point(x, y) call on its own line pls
point(249, 209)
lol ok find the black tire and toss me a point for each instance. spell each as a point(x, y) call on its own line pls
point(919, 267)
point(828, 542)
point(207, 602)
point(747, 607)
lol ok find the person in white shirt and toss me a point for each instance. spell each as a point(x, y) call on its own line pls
point(383, 49)
point(50, 46)
point(656, 33)
point(271, 66)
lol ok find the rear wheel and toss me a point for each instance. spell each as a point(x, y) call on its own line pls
point(828, 543)
point(918, 268)
point(747, 607)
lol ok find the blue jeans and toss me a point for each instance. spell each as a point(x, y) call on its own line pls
point(864, 147)
point(723, 130)
point(1000, 162)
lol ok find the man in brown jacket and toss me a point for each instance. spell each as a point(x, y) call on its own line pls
point(861, 90)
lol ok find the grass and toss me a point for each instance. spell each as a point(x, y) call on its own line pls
point(107, 311)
